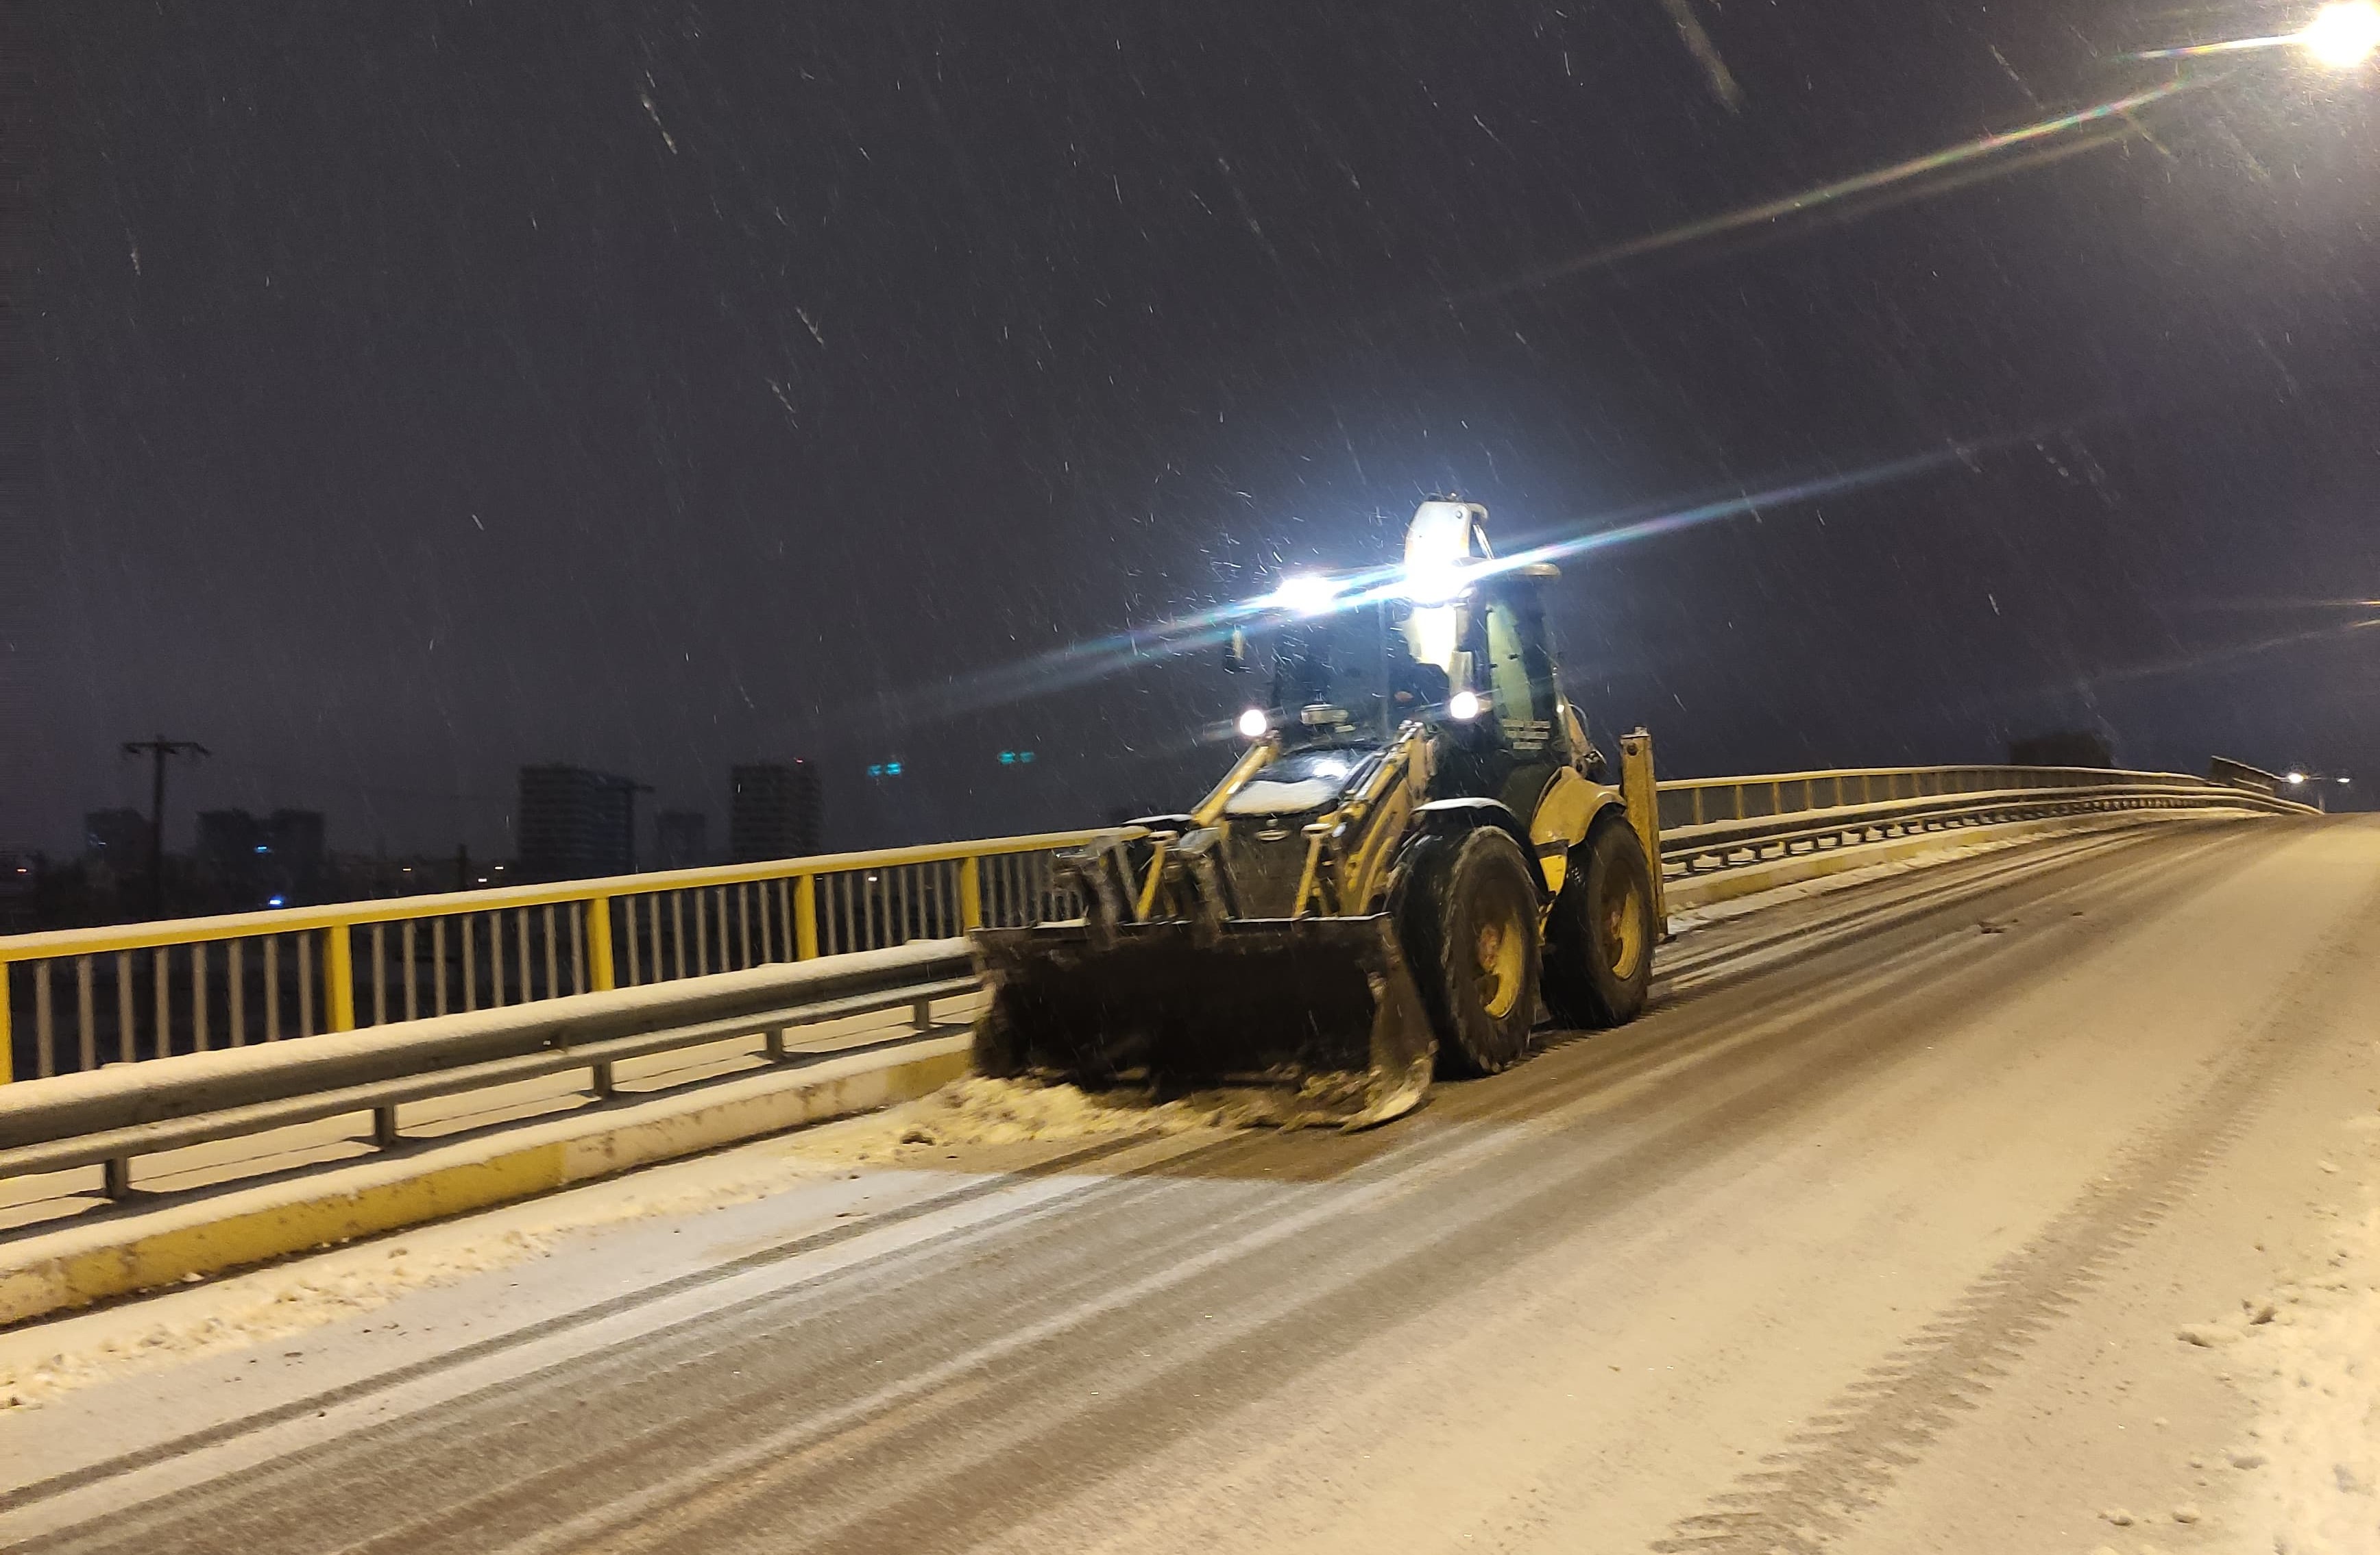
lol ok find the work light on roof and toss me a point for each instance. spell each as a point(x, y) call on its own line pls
point(1442, 544)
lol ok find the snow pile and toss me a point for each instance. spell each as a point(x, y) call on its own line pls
point(979, 1111)
point(2316, 1453)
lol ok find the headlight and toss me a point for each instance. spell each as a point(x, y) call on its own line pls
point(1254, 724)
point(1305, 594)
point(1463, 706)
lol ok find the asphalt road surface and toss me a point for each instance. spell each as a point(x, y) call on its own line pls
point(1876, 1234)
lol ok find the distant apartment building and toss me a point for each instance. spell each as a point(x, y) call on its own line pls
point(573, 823)
point(774, 811)
point(681, 839)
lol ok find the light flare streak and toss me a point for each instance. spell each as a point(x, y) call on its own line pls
point(1085, 662)
point(2207, 658)
point(1891, 177)
point(2227, 45)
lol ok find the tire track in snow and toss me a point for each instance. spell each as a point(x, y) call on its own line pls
point(1799, 1500)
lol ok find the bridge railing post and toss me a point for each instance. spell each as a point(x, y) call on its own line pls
point(600, 974)
point(339, 975)
point(971, 891)
point(805, 938)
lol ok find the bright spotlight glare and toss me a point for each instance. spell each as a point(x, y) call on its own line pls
point(2344, 33)
point(1462, 707)
point(1438, 551)
point(1253, 724)
point(1433, 583)
point(2297, 777)
point(1305, 593)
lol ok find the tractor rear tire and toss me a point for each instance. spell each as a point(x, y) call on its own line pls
point(1599, 938)
point(1468, 916)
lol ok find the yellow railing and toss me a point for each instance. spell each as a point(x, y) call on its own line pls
point(84, 997)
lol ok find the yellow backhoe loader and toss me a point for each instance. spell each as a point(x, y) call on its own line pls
point(1418, 854)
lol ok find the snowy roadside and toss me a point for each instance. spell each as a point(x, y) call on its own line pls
point(2305, 1354)
point(2310, 1355)
point(43, 1361)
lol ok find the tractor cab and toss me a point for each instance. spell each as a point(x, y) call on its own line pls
point(1467, 656)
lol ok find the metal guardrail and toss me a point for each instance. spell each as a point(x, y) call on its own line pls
point(107, 1117)
point(140, 992)
point(1715, 823)
point(1703, 801)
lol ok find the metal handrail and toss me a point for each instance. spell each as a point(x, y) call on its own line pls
point(1690, 801)
point(391, 909)
point(1722, 838)
point(304, 971)
point(2089, 775)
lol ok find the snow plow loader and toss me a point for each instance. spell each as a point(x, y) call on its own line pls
point(1418, 854)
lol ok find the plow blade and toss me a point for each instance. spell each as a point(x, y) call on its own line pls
point(1317, 1018)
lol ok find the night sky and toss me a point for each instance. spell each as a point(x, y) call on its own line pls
point(417, 389)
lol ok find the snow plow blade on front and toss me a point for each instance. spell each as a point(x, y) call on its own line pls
point(1316, 1020)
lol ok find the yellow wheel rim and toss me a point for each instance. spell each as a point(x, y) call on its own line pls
point(1622, 928)
point(1501, 951)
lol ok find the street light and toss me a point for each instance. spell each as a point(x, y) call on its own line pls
point(2344, 33)
point(2311, 785)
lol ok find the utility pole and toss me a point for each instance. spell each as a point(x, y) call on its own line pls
point(157, 750)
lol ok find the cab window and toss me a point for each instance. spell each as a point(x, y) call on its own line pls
point(1510, 681)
